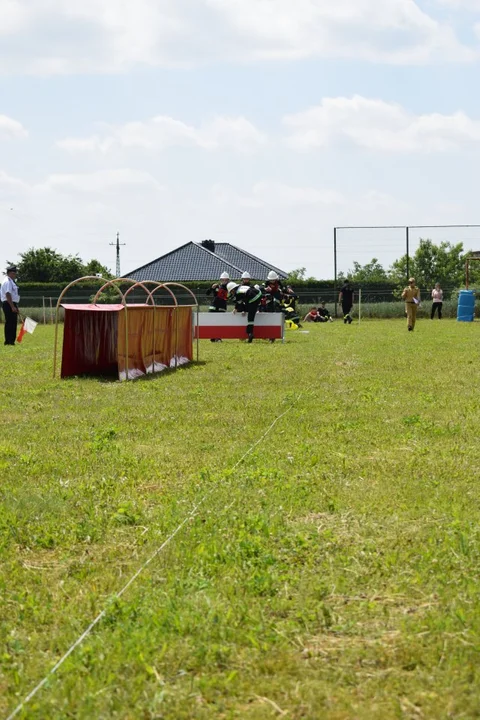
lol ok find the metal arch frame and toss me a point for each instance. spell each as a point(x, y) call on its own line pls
point(196, 305)
point(59, 301)
point(115, 282)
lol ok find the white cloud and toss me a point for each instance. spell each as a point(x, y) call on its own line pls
point(10, 128)
point(60, 36)
point(473, 5)
point(13, 16)
point(161, 132)
point(378, 125)
point(275, 194)
point(102, 181)
point(396, 31)
point(11, 186)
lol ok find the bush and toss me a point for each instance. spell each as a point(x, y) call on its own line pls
point(388, 310)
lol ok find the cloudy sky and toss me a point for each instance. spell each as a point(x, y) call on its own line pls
point(258, 122)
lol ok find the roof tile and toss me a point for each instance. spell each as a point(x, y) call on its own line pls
point(193, 262)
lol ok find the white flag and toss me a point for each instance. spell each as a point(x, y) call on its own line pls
point(29, 325)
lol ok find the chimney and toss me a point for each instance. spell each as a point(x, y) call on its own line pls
point(209, 245)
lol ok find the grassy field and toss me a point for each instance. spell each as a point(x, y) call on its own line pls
point(333, 573)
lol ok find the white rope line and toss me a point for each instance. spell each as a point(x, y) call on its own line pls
point(119, 594)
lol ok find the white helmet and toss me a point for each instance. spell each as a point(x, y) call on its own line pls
point(272, 275)
point(246, 276)
point(231, 286)
point(224, 276)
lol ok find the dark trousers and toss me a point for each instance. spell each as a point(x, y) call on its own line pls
point(251, 312)
point(347, 308)
point(436, 306)
point(11, 319)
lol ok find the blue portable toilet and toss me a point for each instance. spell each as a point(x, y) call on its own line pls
point(466, 306)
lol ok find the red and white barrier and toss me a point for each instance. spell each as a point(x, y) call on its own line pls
point(230, 326)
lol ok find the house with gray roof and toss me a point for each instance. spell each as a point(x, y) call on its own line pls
point(204, 261)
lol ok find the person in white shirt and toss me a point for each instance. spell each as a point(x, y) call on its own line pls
point(437, 297)
point(10, 298)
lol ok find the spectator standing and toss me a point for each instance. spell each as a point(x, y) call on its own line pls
point(437, 304)
point(10, 298)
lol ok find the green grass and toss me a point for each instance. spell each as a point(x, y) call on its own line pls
point(332, 574)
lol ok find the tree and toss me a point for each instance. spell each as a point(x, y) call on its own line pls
point(397, 272)
point(94, 267)
point(444, 263)
point(298, 276)
point(372, 272)
point(47, 265)
point(295, 276)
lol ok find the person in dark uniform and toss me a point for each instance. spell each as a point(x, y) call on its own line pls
point(290, 298)
point(246, 299)
point(10, 298)
point(289, 306)
point(273, 292)
point(220, 297)
point(346, 298)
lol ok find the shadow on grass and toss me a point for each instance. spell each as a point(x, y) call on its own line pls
point(171, 371)
point(113, 377)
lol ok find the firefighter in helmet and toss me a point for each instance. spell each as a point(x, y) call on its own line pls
point(247, 299)
point(219, 290)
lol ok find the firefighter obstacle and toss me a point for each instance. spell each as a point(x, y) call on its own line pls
point(126, 340)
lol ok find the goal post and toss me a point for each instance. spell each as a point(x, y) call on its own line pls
point(392, 236)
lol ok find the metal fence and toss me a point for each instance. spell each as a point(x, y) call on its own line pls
point(42, 307)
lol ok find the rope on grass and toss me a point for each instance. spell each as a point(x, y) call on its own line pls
point(147, 562)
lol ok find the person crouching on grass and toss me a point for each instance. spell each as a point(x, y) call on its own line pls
point(312, 316)
point(411, 295)
point(324, 314)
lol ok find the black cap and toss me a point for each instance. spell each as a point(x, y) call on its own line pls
point(11, 268)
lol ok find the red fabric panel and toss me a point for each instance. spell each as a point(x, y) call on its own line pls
point(182, 339)
point(141, 334)
point(94, 308)
point(163, 335)
point(137, 319)
point(89, 343)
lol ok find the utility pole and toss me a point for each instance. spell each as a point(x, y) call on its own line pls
point(117, 245)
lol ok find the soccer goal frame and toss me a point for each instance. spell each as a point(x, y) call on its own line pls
point(405, 228)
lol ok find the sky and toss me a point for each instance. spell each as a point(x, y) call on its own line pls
point(263, 123)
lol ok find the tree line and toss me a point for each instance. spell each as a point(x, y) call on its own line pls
point(431, 263)
point(45, 265)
